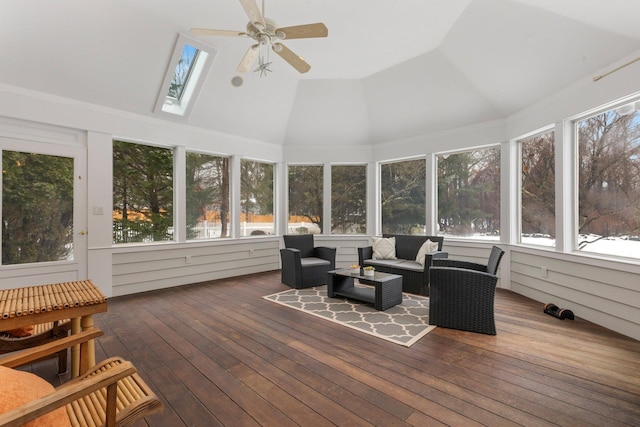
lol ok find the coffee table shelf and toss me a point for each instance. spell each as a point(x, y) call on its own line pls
point(386, 291)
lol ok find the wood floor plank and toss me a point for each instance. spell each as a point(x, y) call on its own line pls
point(217, 353)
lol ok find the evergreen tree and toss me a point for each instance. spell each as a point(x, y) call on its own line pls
point(142, 192)
point(305, 192)
point(348, 199)
point(37, 208)
point(403, 188)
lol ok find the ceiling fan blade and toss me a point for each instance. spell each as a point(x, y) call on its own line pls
point(248, 59)
point(288, 55)
point(252, 10)
point(305, 31)
point(210, 32)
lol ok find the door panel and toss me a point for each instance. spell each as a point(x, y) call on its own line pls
point(43, 211)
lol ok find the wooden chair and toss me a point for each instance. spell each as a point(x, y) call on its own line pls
point(110, 394)
point(42, 334)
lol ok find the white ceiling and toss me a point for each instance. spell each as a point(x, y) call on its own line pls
point(388, 70)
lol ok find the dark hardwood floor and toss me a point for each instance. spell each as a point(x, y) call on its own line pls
point(217, 353)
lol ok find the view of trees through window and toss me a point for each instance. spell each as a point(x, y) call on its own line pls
point(256, 198)
point(348, 199)
point(609, 182)
point(402, 191)
point(183, 71)
point(305, 199)
point(207, 194)
point(469, 193)
point(142, 193)
point(538, 194)
point(37, 208)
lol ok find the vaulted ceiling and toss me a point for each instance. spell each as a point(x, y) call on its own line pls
point(387, 70)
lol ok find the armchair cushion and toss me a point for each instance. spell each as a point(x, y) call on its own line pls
point(427, 247)
point(25, 331)
point(384, 248)
point(20, 387)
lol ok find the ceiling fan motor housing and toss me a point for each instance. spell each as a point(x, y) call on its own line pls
point(268, 35)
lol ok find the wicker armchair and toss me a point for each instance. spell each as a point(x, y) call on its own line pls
point(462, 294)
point(303, 264)
point(110, 393)
point(42, 334)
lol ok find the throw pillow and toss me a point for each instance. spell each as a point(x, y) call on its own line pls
point(384, 248)
point(19, 387)
point(426, 248)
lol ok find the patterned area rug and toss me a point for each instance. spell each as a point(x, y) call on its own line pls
point(402, 324)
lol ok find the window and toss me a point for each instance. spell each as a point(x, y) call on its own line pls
point(142, 193)
point(537, 190)
point(256, 198)
point(189, 63)
point(349, 199)
point(183, 72)
point(469, 194)
point(37, 208)
point(609, 182)
point(402, 187)
point(305, 199)
point(207, 195)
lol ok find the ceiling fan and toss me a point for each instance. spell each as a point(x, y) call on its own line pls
point(266, 32)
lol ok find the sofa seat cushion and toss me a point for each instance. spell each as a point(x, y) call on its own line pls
point(400, 264)
point(313, 262)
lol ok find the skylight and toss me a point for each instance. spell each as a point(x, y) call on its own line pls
point(189, 64)
point(183, 72)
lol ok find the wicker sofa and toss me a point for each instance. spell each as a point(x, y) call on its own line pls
point(415, 277)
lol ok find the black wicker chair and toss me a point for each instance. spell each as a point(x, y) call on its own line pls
point(303, 264)
point(462, 293)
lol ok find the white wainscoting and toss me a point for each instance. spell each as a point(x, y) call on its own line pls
point(602, 291)
point(144, 268)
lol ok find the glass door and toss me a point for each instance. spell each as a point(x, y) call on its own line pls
point(43, 210)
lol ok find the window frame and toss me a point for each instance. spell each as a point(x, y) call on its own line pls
point(571, 126)
point(498, 238)
point(518, 196)
point(379, 165)
point(366, 203)
point(175, 179)
point(324, 202)
point(183, 185)
point(275, 188)
point(180, 109)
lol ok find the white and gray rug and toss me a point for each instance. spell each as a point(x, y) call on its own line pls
point(402, 324)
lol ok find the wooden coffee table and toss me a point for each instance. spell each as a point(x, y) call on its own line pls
point(386, 291)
